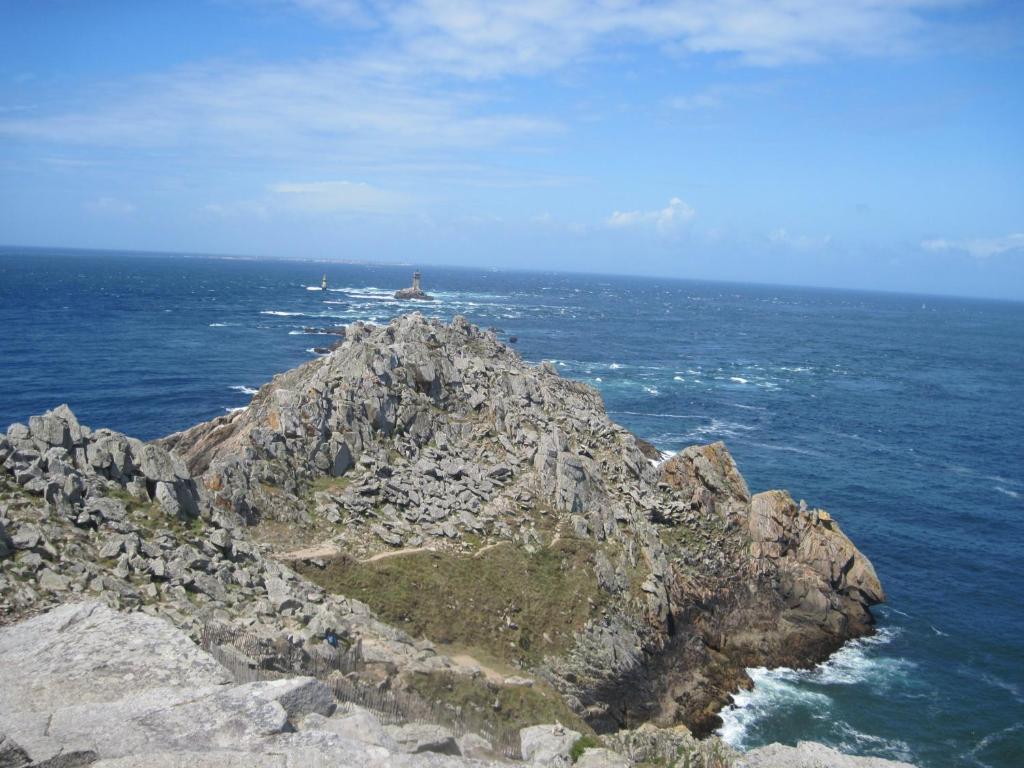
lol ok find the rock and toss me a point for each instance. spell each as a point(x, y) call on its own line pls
point(807, 754)
point(11, 754)
point(602, 758)
point(6, 545)
point(115, 690)
point(27, 537)
point(415, 292)
point(421, 737)
point(355, 723)
point(548, 745)
point(305, 696)
point(75, 759)
point(51, 581)
point(475, 746)
point(419, 434)
point(281, 597)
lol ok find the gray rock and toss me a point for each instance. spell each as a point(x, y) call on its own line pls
point(602, 758)
point(11, 754)
point(422, 737)
point(808, 754)
point(548, 745)
point(51, 581)
point(354, 723)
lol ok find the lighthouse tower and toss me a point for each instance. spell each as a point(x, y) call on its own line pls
point(415, 292)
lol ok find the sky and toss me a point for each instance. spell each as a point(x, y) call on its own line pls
point(851, 143)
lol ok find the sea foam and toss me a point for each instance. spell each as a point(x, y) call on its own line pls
point(783, 690)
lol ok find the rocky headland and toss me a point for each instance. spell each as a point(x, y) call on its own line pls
point(425, 524)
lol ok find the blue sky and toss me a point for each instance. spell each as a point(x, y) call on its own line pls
point(851, 143)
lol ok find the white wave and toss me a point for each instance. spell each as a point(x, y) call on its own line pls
point(219, 325)
point(773, 690)
point(598, 379)
point(1012, 688)
point(615, 366)
point(651, 390)
point(313, 288)
point(988, 741)
point(281, 313)
point(784, 688)
point(857, 742)
point(314, 351)
point(678, 378)
point(738, 379)
point(854, 663)
point(235, 410)
point(244, 389)
point(720, 427)
point(787, 449)
point(657, 415)
point(1007, 492)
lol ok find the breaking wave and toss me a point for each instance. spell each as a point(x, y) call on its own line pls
point(785, 692)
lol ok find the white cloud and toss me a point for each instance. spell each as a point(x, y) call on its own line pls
point(336, 197)
point(478, 38)
point(329, 108)
point(664, 220)
point(383, 102)
point(110, 206)
point(979, 247)
point(782, 236)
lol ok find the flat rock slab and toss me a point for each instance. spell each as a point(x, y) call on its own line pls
point(809, 754)
point(97, 655)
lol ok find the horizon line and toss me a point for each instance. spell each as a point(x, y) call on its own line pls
point(484, 268)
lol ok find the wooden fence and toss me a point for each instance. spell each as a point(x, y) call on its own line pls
point(251, 657)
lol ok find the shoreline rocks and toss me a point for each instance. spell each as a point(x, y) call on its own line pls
point(421, 436)
point(84, 685)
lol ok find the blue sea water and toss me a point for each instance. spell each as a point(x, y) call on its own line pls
point(903, 415)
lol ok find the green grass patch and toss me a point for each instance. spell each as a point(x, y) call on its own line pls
point(515, 606)
point(329, 483)
point(582, 744)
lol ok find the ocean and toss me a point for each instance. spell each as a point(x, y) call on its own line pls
point(902, 415)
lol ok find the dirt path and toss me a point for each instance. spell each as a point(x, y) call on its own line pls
point(395, 553)
point(479, 553)
point(467, 662)
point(324, 550)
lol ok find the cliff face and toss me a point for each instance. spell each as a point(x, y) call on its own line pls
point(443, 485)
point(443, 439)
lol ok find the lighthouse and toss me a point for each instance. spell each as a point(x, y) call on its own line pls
point(415, 292)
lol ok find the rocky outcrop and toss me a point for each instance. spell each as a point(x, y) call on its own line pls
point(808, 754)
point(424, 440)
point(71, 465)
point(127, 689)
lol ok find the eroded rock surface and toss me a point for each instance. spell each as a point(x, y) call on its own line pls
point(420, 448)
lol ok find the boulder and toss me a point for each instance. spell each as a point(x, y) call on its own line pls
point(423, 737)
point(808, 754)
point(11, 754)
point(355, 723)
point(602, 758)
point(548, 745)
